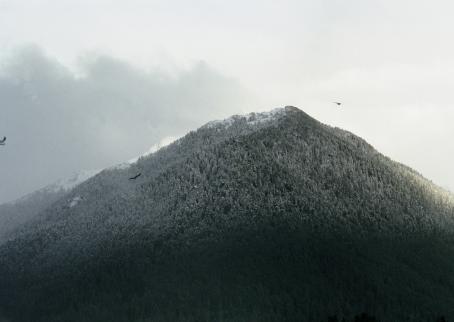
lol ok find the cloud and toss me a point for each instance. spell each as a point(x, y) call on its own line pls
point(58, 122)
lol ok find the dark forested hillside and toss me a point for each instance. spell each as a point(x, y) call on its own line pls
point(265, 217)
point(13, 215)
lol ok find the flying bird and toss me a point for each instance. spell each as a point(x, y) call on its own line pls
point(2, 141)
point(337, 103)
point(135, 177)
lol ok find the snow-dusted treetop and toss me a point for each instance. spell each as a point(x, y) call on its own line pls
point(251, 118)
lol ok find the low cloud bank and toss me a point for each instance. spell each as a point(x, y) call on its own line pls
point(58, 122)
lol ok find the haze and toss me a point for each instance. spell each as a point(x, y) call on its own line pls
point(88, 84)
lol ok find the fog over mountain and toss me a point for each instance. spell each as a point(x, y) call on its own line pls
point(262, 217)
point(59, 122)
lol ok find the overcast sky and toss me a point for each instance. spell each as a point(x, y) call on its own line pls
point(85, 84)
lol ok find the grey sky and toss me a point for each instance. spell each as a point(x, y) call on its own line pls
point(391, 62)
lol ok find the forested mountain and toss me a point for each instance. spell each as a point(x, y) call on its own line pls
point(15, 214)
point(264, 217)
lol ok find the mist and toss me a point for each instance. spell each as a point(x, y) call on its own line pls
point(58, 121)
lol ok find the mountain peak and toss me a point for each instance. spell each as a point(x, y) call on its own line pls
point(256, 120)
point(290, 108)
point(252, 118)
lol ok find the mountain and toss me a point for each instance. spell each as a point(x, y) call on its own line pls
point(15, 214)
point(263, 217)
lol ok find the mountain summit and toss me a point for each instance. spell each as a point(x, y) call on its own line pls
point(263, 217)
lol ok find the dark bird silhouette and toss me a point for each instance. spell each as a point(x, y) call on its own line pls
point(2, 141)
point(135, 177)
point(337, 103)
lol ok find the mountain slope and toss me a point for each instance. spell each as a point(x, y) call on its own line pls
point(264, 217)
point(15, 214)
